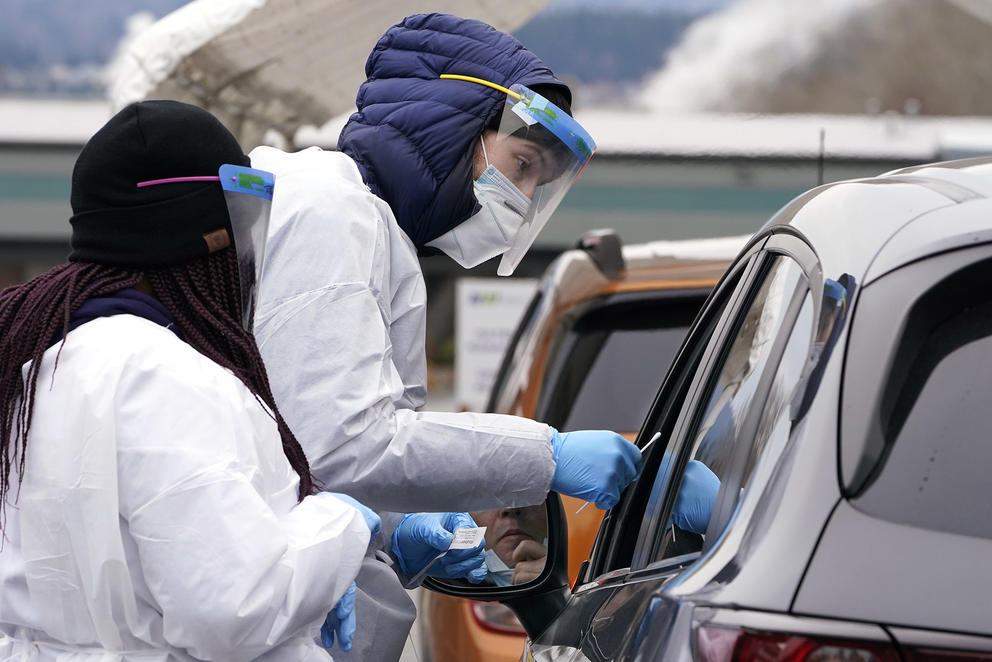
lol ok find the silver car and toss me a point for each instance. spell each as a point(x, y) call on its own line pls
point(838, 382)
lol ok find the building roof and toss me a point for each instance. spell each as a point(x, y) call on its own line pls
point(50, 121)
point(620, 132)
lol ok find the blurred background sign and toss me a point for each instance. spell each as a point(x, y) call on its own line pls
point(487, 311)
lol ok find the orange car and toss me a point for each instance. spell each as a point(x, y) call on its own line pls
point(579, 360)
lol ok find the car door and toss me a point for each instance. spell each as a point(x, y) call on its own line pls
point(718, 406)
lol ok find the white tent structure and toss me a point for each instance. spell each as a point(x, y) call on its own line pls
point(646, 133)
point(275, 64)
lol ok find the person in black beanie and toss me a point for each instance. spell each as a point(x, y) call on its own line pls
point(117, 223)
point(153, 502)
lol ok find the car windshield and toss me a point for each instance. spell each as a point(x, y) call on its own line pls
point(613, 360)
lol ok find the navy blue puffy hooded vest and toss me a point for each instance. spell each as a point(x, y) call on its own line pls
point(414, 134)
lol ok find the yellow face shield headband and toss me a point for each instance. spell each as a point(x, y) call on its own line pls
point(482, 81)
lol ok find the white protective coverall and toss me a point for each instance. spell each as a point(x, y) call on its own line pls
point(157, 519)
point(340, 323)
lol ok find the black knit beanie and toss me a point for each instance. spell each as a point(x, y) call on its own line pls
point(116, 223)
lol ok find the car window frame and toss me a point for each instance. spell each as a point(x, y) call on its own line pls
point(800, 253)
point(728, 498)
point(682, 385)
point(680, 444)
point(674, 390)
point(785, 244)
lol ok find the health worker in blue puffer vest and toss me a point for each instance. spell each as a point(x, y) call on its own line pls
point(462, 143)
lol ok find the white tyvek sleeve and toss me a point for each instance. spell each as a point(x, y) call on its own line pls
point(328, 357)
point(236, 566)
point(340, 283)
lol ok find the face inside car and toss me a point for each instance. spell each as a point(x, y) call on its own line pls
point(516, 543)
point(835, 383)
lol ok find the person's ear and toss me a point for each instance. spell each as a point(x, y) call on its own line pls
point(479, 156)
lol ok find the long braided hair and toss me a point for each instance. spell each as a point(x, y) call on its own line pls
point(203, 297)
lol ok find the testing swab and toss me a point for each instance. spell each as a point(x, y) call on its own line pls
point(656, 437)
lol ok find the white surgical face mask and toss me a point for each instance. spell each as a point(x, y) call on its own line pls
point(499, 573)
point(490, 231)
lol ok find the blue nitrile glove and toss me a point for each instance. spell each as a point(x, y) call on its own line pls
point(420, 537)
point(594, 465)
point(341, 621)
point(371, 519)
point(696, 498)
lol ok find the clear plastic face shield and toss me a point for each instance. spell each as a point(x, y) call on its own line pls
point(248, 194)
point(531, 162)
point(541, 150)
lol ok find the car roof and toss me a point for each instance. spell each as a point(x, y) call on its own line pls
point(868, 227)
point(575, 276)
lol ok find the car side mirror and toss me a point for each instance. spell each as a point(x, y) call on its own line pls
point(542, 589)
point(605, 249)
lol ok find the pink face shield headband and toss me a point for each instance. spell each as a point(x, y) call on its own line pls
point(178, 180)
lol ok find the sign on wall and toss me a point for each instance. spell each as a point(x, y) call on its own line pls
point(487, 311)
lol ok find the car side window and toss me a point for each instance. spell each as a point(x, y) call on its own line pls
point(606, 367)
point(623, 527)
point(738, 409)
point(914, 438)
